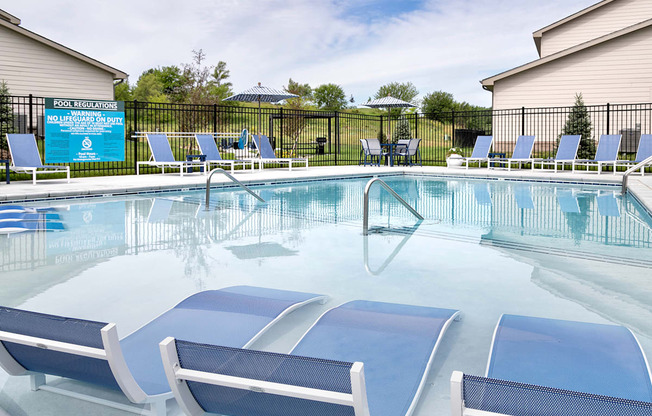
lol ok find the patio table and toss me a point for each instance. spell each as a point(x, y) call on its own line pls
point(391, 149)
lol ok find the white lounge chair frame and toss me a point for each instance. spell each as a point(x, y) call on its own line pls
point(34, 170)
point(178, 378)
point(171, 164)
point(112, 353)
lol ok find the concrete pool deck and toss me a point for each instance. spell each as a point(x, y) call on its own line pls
point(640, 186)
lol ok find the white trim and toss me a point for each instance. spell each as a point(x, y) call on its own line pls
point(359, 390)
point(490, 81)
point(426, 370)
point(267, 387)
point(321, 299)
point(118, 365)
point(180, 389)
point(493, 340)
point(48, 344)
point(117, 74)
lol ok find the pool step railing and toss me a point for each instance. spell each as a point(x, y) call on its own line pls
point(640, 165)
point(365, 220)
point(234, 180)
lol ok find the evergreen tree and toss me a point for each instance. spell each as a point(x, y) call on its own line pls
point(579, 122)
point(402, 130)
point(6, 117)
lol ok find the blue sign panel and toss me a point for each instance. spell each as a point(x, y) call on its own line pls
point(84, 131)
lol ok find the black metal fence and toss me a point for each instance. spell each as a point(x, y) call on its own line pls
point(333, 138)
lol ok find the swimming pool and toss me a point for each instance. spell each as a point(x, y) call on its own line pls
point(485, 248)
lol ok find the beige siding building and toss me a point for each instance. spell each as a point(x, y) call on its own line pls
point(603, 52)
point(32, 64)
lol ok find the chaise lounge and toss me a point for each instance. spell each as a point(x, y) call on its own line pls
point(361, 358)
point(544, 367)
point(25, 157)
point(37, 344)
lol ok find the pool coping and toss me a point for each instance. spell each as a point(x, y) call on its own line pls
point(55, 189)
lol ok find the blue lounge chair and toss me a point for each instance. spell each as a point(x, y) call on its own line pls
point(523, 196)
point(567, 201)
point(551, 367)
point(606, 155)
point(11, 227)
point(643, 152)
point(28, 216)
point(566, 152)
point(208, 147)
point(480, 151)
point(163, 157)
point(522, 153)
point(363, 358)
point(36, 344)
point(267, 155)
point(25, 157)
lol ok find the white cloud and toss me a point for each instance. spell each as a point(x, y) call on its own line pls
point(445, 45)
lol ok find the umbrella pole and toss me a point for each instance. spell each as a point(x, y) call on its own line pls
point(259, 115)
point(389, 123)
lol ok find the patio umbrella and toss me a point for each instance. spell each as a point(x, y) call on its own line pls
point(388, 102)
point(261, 94)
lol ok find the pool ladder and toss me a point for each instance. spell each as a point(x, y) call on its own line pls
point(234, 180)
point(631, 170)
point(365, 220)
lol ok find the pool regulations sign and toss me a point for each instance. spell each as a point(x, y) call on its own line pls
point(84, 131)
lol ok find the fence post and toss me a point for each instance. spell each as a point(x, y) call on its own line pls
point(608, 105)
point(416, 126)
point(337, 135)
point(522, 121)
point(135, 138)
point(281, 131)
point(31, 115)
point(214, 118)
point(453, 143)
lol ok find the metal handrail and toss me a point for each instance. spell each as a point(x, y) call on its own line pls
point(365, 220)
point(237, 182)
point(632, 169)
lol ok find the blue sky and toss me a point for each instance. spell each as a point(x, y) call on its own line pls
point(358, 44)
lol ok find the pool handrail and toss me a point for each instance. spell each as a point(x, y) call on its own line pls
point(631, 170)
point(365, 220)
point(234, 180)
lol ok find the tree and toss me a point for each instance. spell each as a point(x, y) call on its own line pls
point(149, 89)
point(405, 91)
point(6, 117)
point(579, 122)
point(122, 91)
point(294, 121)
point(439, 106)
point(330, 97)
point(220, 88)
point(402, 130)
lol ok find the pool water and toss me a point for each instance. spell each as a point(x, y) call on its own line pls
point(485, 247)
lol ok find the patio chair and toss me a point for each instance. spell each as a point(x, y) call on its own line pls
point(267, 155)
point(25, 157)
point(208, 148)
point(480, 151)
point(558, 367)
point(522, 153)
point(566, 152)
point(605, 155)
point(363, 358)
point(163, 157)
point(36, 344)
point(371, 149)
point(410, 152)
point(643, 152)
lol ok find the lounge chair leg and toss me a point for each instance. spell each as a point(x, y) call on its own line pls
point(36, 381)
point(158, 408)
